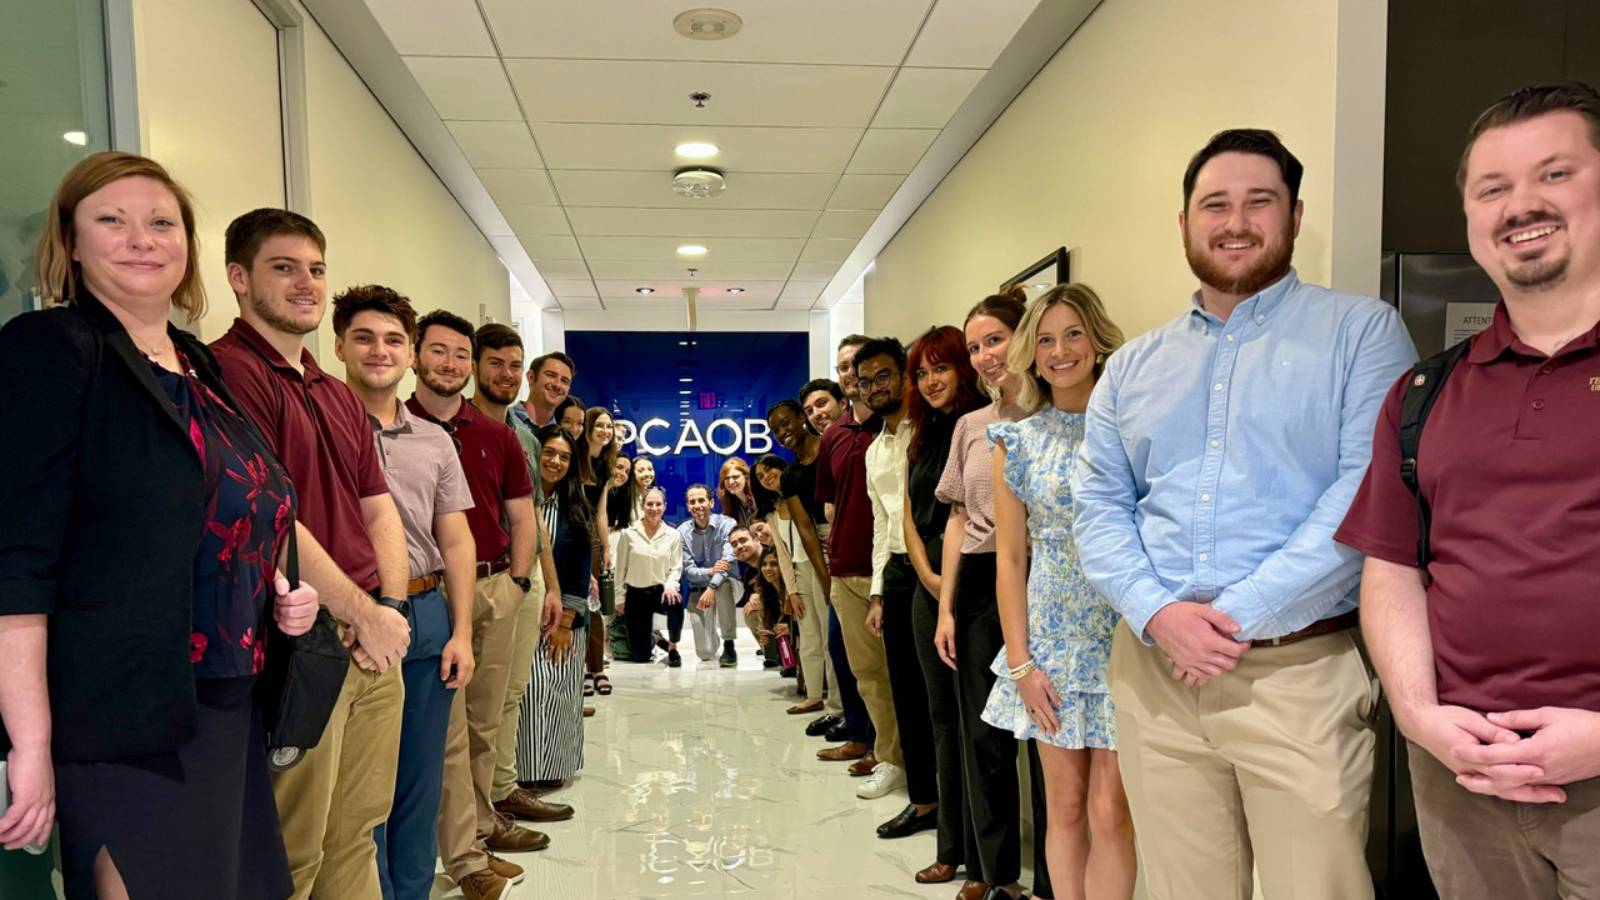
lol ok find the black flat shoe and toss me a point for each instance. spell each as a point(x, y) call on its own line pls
point(909, 823)
point(999, 893)
point(820, 725)
point(674, 661)
point(838, 732)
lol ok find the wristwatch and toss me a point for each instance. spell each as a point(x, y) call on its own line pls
point(403, 607)
point(523, 582)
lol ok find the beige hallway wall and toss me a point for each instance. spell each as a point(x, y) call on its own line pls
point(1091, 156)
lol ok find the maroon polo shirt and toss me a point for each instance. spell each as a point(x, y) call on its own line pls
point(1510, 464)
point(320, 432)
point(842, 481)
point(496, 469)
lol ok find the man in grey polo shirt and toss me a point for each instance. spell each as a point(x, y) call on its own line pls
point(373, 327)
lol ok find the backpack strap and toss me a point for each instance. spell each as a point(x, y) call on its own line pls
point(1427, 380)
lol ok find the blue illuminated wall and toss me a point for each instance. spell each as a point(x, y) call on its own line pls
point(729, 379)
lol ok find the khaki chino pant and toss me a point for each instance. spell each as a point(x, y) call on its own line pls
point(466, 814)
point(813, 627)
point(869, 663)
point(523, 644)
point(1269, 765)
point(329, 804)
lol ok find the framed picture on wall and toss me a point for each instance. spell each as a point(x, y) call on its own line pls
point(1053, 269)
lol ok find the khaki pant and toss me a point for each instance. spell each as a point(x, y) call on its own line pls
point(329, 804)
point(1267, 765)
point(466, 814)
point(813, 626)
point(868, 662)
point(1485, 848)
point(523, 644)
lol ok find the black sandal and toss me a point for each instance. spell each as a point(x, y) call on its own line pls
point(602, 685)
point(588, 685)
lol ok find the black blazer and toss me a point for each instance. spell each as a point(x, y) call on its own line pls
point(102, 505)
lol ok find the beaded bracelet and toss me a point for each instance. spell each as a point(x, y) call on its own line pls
point(1021, 672)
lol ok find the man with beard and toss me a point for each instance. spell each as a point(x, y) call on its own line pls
point(1221, 451)
point(549, 382)
point(328, 804)
point(844, 365)
point(1489, 659)
point(497, 474)
point(374, 329)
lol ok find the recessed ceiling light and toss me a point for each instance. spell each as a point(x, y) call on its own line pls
point(691, 250)
point(696, 150)
point(76, 138)
point(735, 290)
point(644, 290)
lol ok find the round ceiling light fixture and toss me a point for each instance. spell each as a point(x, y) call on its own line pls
point(692, 250)
point(735, 290)
point(696, 150)
point(698, 183)
point(707, 24)
point(647, 291)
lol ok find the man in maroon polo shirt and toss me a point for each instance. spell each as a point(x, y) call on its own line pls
point(319, 430)
point(502, 495)
point(1489, 655)
point(842, 483)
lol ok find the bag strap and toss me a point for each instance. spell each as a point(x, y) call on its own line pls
point(291, 565)
point(1427, 381)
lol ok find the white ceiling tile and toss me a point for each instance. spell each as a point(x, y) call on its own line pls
point(572, 287)
point(496, 145)
point(434, 27)
point(649, 147)
point(925, 98)
point(551, 247)
point(969, 33)
point(815, 271)
point(845, 223)
point(829, 251)
point(891, 151)
point(713, 305)
point(622, 91)
point(803, 290)
point(561, 268)
point(763, 291)
point(707, 223)
point(793, 303)
point(579, 302)
point(748, 190)
point(729, 272)
point(536, 221)
point(530, 187)
point(464, 87)
point(864, 191)
point(816, 31)
point(721, 249)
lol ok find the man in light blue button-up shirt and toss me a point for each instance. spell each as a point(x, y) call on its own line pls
point(1222, 451)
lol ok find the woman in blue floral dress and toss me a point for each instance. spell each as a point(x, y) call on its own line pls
point(1052, 686)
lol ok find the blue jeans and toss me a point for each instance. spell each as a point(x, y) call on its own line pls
point(858, 725)
point(408, 844)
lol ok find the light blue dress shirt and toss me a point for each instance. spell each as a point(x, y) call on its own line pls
point(1220, 456)
point(702, 547)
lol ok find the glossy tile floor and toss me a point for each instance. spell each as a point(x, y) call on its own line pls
point(697, 784)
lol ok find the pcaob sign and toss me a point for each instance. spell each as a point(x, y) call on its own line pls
point(723, 437)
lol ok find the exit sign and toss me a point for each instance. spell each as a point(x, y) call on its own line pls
point(708, 400)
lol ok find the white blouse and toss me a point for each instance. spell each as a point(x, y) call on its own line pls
point(643, 561)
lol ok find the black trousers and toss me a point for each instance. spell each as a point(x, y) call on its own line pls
point(957, 842)
point(906, 683)
point(640, 606)
point(989, 755)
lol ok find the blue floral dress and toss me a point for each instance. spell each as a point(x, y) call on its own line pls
point(1069, 623)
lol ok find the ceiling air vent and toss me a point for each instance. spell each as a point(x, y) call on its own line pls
point(699, 183)
point(707, 24)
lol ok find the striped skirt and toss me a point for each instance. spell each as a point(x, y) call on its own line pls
point(550, 730)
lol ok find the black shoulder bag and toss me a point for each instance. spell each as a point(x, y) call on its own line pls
point(302, 680)
point(1427, 380)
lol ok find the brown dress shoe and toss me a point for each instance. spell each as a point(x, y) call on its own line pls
point(526, 805)
point(509, 838)
point(972, 890)
point(938, 873)
point(506, 869)
point(588, 712)
point(846, 750)
point(484, 885)
point(863, 767)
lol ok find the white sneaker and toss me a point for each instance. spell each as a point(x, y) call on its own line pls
point(882, 782)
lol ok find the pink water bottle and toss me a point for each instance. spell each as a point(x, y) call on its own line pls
point(786, 651)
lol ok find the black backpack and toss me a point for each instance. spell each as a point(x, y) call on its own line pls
point(1427, 380)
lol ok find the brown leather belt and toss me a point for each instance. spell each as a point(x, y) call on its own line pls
point(485, 569)
point(424, 584)
point(1341, 622)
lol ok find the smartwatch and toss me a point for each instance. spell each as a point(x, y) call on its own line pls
point(403, 607)
point(523, 582)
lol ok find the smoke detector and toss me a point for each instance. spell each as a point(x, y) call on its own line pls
point(707, 24)
point(698, 183)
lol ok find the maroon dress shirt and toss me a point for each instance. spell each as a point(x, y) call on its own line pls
point(496, 469)
point(842, 481)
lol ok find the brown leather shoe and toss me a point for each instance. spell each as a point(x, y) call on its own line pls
point(509, 838)
point(800, 709)
point(938, 873)
point(588, 712)
point(525, 805)
point(972, 890)
point(846, 750)
point(485, 885)
point(863, 767)
point(506, 869)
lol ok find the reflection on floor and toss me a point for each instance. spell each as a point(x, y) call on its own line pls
point(697, 784)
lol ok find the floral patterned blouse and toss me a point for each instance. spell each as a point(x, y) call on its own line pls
point(248, 513)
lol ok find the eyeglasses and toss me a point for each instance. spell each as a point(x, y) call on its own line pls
point(882, 379)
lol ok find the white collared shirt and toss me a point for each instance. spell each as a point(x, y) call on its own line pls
point(643, 561)
point(886, 488)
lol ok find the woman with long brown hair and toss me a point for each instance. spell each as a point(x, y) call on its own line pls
point(734, 491)
point(596, 470)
